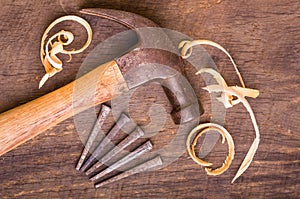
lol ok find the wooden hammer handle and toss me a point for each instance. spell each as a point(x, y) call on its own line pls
point(29, 120)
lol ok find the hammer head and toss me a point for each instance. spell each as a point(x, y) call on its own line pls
point(151, 59)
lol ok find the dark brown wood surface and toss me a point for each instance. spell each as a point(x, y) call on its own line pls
point(262, 35)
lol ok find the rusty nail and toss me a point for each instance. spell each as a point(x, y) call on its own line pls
point(155, 162)
point(134, 154)
point(132, 137)
point(100, 120)
point(122, 121)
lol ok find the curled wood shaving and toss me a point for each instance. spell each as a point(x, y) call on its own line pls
point(227, 95)
point(186, 51)
point(50, 61)
point(241, 96)
point(225, 135)
point(227, 98)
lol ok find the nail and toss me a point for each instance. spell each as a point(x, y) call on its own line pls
point(122, 121)
point(98, 124)
point(132, 137)
point(155, 162)
point(134, 154)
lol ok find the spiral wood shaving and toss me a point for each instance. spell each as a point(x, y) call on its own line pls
point(227, 98)
point(50, 61)
point(225, 135)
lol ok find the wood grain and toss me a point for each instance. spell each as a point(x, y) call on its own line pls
point(263, 37)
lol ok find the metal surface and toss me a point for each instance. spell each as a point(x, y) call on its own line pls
point(133, 155)
point(155, 162)
point(136, 134)
point(180, 95)
point(99, 151)
point(105, 110)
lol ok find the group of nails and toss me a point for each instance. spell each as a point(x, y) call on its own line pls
point(106, 150)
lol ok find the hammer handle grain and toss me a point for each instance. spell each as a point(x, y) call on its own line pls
point(29, 120)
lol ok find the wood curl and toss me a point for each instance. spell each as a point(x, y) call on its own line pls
point(228, 94)
point(204, 128)
point(56, 43)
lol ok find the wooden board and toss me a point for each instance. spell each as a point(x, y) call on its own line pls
point(263, 37)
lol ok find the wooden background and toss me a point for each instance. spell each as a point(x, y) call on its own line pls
point(262, 35)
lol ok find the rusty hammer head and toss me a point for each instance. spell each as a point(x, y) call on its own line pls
point(145, 63)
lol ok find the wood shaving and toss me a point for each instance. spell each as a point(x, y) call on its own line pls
point(50, 61)
point(227, 95)
point(241, 96)
point(187, 47)
point(225, 135)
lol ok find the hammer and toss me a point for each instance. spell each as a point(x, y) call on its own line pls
point(108, 81)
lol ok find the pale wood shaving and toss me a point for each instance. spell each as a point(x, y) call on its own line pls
point(186, 51)
point(50, 61)
point(204, 128)
point(249, 157)
point(227, 96)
